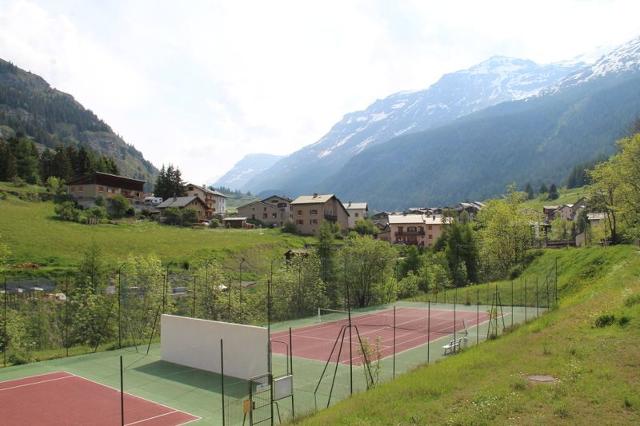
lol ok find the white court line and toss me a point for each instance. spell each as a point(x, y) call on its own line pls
point(31, 377)
point(151, 418)
point(36, 383)
point(135, 396)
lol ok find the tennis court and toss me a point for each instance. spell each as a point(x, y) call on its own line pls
point(413, 327)
point(62, 398)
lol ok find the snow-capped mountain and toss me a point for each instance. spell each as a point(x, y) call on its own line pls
point(619, 61)
point(245, 169)
point(493, 81)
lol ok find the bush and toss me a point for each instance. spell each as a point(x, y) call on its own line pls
point(172, 216)
point(605, 320)
point(67, 211)
point(118, 206)
point(290, 228)
point(18, 182)
point(189, 217)
point(409, 286)
point(632, 300)
point(96, 213)
point(214, 223)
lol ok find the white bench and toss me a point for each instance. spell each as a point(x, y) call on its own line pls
point(454, 345)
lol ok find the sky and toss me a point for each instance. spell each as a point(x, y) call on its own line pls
point(199, 84)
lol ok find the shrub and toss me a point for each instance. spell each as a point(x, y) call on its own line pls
point(290, 228)
point(605, 320)
point(18, 182)
point(96, 212)
point(409, 285)
point(623, 320)
point(172, 216)
point(118, 206)
point(189, 217)
point(67, 211)
point(632, 300)
point(214, 223)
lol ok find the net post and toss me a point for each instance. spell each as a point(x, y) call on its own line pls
point(121, 393)
point(556, 279)
point(120, 307)
point(222, 378)
point(269, 356)
point(496, 308)
point(428, 331)
point(350, 342)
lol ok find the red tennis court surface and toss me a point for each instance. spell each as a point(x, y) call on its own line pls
point(63, 398)
point(316, 341)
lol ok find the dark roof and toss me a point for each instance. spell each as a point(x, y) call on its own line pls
point(107, 179)
point(282, 197)
point(179, 202)
point(207, 190)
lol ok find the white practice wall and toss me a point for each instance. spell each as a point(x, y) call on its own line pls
point(196, 343)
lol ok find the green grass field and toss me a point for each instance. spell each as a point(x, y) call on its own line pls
point(598, 368)
point(35, 235)
point(567, 196)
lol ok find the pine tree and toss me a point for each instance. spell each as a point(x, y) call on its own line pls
point(27, 159)
point(543, 189)
point(553, 192)
point(62, 167)
point(529, 190)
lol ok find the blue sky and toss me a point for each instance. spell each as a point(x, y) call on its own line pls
point(201, 83)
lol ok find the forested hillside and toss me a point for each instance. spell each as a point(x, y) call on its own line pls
point(29, 106)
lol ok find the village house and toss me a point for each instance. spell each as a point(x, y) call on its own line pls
point(190, 202)
point(268, 214)
point(416, 229)
point(284, 208)
point(213, 200)
point(471, 208)
point(357, 211)
point(86, 189)
point(310, 211)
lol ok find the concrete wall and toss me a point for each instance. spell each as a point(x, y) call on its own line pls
point(196, 343)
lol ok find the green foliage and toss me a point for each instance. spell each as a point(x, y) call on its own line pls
point(179, 217)
point(367, 269)
point(365, 227)
point(580, 174)
point(189, 217)
point(461, 251)
point(528, 189)
point(604, 320)
point(67, 211)
point(543, 189)
point(290, 228)
point(409, 286)
point(553, 192)
point(214, 223)
point(169, 183)
point(411, 260)
point(505, 233)
point(325, 251)
point(4, 253)
point(118, 206)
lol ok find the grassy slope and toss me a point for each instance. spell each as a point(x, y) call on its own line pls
point(34, 235)
point(598, 368)
point(567, 196)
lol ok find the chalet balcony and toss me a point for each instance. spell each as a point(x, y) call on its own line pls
point(330, 217)
point(402, 234)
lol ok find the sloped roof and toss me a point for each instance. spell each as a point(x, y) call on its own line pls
point(108, 179)
point(281, 197)
point(178, 202)
point(356, 206)
point(207, 190)
point(313, 199)
point(420, 219)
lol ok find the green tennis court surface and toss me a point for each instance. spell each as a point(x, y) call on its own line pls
point(199, 393)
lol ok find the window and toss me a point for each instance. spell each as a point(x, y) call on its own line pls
point(411, 229)
point(299, 212)
point(430, 237)
point(399, 228)
point(357, 214)
point(264, 215)
point(429, 227)
point(313, 212)
point(274, 215)
point(313, 221)
point(300, 222)
point(421, 229)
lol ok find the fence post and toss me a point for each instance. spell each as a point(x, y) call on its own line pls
point(477, 316)
point(293, 406)
point(66, 316)
point(6, 338)
point(121, 393)
point(537, 301)
point(455, 300)
point(428, 331)
point(222, 378)
point(394, 341)
point(511, 303)
point(525, 299)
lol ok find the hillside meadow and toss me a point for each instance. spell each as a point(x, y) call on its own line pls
point(588, 344)
point(34, 235)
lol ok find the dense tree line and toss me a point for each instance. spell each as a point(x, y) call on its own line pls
point(169, 183)
point(20, 158)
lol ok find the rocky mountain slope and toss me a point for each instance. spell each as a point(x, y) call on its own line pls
point(244, 170)
point(29, 105)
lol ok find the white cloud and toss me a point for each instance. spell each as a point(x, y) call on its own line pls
point(203, 83)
